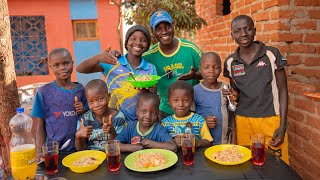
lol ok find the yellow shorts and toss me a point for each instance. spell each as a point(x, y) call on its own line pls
point(247, 126)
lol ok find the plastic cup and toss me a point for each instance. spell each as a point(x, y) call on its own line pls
point(188, 148)
point(113, 154)
point(50, 152)
point(258, 149)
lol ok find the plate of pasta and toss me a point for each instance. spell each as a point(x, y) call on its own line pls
point(150, 160)
point(228, 154)
point(84, 161)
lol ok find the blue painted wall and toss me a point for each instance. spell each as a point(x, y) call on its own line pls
point(85, 9)
point(83, 50)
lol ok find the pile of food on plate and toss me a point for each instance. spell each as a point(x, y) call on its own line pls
point(232, 154)
point(151, 159)
point(143, 78)
point(85, 161)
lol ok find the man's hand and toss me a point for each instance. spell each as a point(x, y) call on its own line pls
point(190, 75)
point(278, 137)
point(107, 126)
point(211, 121)
point(84, 132)
point(78, 106)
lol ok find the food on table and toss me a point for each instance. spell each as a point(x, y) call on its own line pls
point(151, 159)
point(143, 78)
point(85, 161)
point(232, 154)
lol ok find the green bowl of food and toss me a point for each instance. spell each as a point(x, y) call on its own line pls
point(143, 81)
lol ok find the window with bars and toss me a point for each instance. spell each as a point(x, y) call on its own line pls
point(29, 45)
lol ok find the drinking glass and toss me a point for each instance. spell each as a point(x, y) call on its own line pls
point(50, 152)
point(258, 149)
point(113, 154)
point(188, 148)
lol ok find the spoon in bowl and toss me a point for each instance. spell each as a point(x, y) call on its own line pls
point(131, 74)
point(231, 106)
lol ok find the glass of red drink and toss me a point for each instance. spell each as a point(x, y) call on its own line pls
point(50, 151)
point(258, 149)
point(113, 154)
point(188, 148)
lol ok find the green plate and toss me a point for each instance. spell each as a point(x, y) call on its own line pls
point(144, 84)
point(130, 160)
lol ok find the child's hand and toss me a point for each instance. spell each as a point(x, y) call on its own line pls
point(190, 75)
point(78, 105)
point(211, 121)
point(278, 137)
point(84, 131)
point(233, 94)
point(107, 126)
point(177, 139)
point(136, 147)
point(145, 142)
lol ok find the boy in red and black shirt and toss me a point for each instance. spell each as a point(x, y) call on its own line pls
point(257, 72)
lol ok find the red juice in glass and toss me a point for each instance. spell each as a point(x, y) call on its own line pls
point(188, 154)
point(258, 151)
point(51, 163)
point(113, 161)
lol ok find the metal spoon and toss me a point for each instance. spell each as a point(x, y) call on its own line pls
point(231, 106)
point(65, 144)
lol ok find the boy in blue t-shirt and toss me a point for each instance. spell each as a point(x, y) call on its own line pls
point(210, 102)
point(146, 132)
point(180, 99)
point(57, 104)
point(100, 122)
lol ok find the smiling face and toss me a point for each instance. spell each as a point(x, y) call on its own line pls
point(180, 101)
point(61, 65)
point(210, 68)
point(147, 112)
point(243, 32)
point(137, 44)
point(97, 100)
point(164, 33)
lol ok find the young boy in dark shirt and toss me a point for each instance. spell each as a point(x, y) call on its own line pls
point(257, 72)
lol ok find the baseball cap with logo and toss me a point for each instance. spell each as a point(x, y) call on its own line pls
point(158, 17)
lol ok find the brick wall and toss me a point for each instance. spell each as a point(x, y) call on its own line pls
point(293, 26)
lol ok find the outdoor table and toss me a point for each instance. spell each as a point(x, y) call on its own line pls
point(274, 168)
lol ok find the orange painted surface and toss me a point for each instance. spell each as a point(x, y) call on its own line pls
point(108, 24)
point(59, 27)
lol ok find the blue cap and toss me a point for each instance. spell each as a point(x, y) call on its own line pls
point(20, 110)
point(158, 17)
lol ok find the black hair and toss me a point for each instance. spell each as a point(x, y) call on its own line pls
point(179, 84)
point(211, 55)
point(147, 96)
point(96, 84)
point(240, 17)
point(62, 51)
